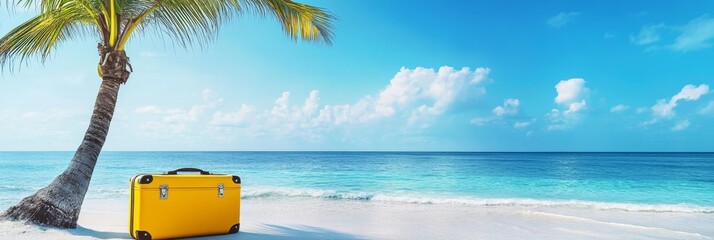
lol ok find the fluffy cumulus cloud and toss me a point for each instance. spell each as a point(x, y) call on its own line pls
point(569, 90)
point(233, 118)
point(422, 92)
point(570, 97)
point(665, 109)
point(510, 107)
point(504, 114)
point(413, 96)
point(176, 120)
point(562, 19)
point(619, 108)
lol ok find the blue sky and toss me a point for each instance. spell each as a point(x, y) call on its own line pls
point(401, 75)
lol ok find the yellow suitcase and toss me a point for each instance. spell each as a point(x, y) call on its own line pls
point(172, 205)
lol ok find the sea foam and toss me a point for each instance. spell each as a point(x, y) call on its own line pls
point(411, 198)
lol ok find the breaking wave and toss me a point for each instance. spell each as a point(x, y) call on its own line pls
point(284, 192)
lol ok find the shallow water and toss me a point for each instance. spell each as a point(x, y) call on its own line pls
point(652, 182)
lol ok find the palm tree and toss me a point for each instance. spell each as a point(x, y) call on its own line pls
point(113, 23)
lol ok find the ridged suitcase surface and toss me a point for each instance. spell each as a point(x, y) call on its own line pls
point(172, 205)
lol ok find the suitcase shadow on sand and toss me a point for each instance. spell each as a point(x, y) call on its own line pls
point(275, 232)
point(86, 232)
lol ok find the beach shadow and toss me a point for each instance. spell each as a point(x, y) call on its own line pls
point(86, 232)
point(287, 233)
point(277, 233)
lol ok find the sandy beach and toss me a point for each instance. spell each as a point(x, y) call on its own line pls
point(345, 120)
point(331, 219)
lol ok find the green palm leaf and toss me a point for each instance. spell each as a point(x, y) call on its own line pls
point(300, 21)
point(38, 36)
point(186, 22)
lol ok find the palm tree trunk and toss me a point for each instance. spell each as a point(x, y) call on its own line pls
point(58, 204)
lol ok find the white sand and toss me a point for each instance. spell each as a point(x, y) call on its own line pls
point(340, 219)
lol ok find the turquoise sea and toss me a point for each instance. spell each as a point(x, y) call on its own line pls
point(655, 182)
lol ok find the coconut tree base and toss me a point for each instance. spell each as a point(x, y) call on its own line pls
point(58, 204)
point(40, 210)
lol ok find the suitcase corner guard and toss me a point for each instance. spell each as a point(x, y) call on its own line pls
point(236, 179)
point(142, 235)
point(146, 179)
point(234, 229)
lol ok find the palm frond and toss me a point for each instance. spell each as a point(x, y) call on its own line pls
point(187, 22)
point(197, 21)
point(191, 22)
point(299, 21)
point(59, 21)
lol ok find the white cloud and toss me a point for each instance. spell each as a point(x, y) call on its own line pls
point(690, 92)
point(619, 108)
point(504, 115)
point(642, 110)
point(557, 120)
point(709, 108)
point(481, 121)
point(480, 74)
point(648, 34)
point(413, 96)
point(697, 34)
point(411, 100)
point(424, 84)
point(284, 118)
point(510, 107)
point(570, 95)
point(422, 92)
point(562, 19)
point(575, 107)
point(570, 90)
point(233, 118)
point(181, 116)
point(311, 103)
point(681, 125)
point(281, 105)
point(176, 120)
point(665, 109)
point(524, 124)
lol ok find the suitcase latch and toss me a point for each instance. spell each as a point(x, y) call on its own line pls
point(220, 190)
point(163, 191)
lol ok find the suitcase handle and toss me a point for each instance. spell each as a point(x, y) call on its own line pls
point(174, 172)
